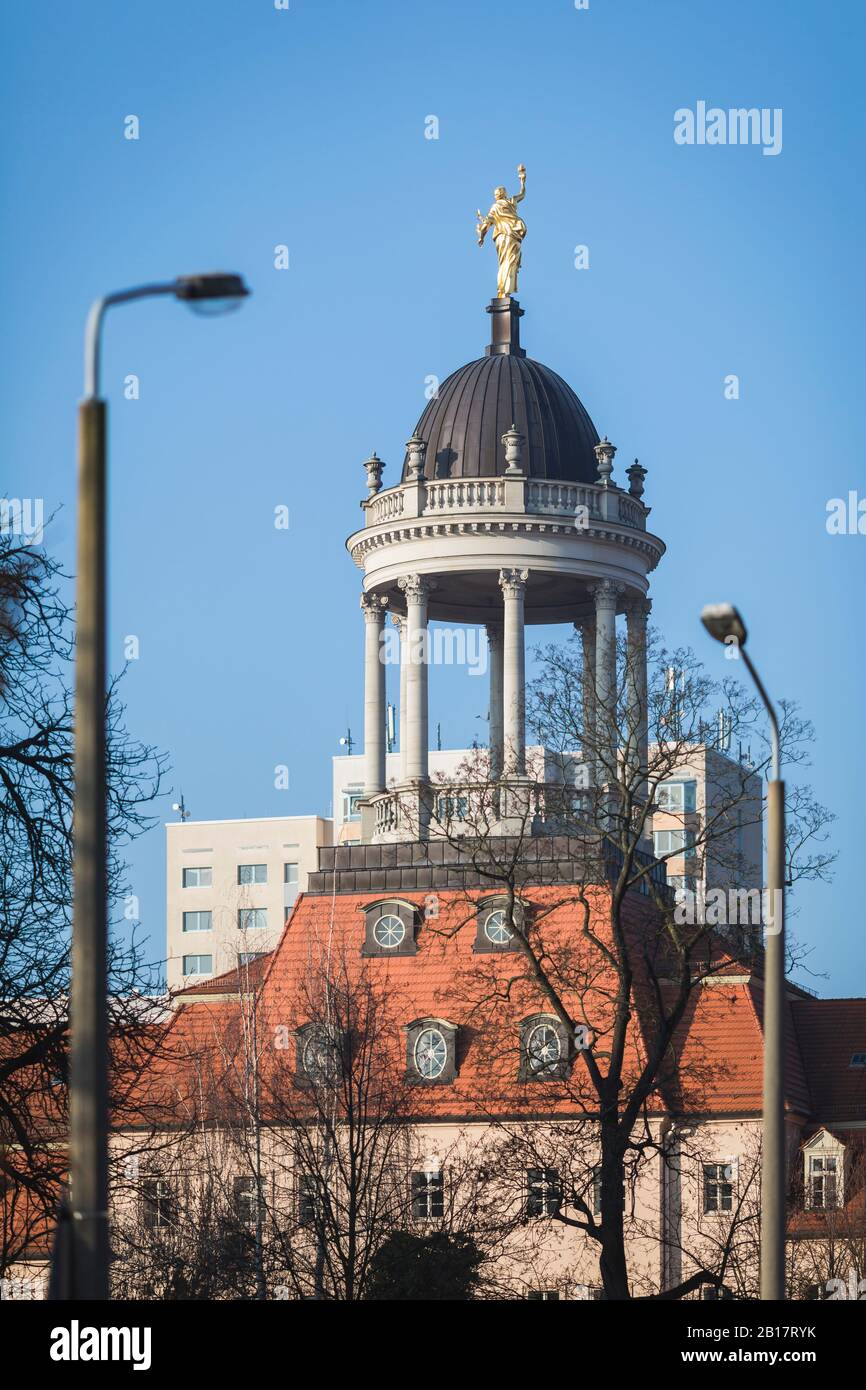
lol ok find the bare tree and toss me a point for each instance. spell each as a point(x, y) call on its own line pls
point(36, 635)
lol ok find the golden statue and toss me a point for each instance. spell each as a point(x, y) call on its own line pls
point(508, 233)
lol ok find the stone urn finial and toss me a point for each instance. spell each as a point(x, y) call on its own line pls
point(635, 476)
point(604, 452)
point(513, 441)
point(417, 451)
point(374, 466)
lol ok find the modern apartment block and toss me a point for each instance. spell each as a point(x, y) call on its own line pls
point(230, 885)
point(714, 801)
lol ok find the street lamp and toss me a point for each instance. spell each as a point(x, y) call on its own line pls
point(87, 1239)
point(723, 622)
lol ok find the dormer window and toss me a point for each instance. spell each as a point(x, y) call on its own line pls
point(318, 1056)
point(431, 1051)
point(544, 1050)
point(497, 925)
point(390, 927)
point(824, 1175)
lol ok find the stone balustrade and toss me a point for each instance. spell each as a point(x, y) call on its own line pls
point(531, 496)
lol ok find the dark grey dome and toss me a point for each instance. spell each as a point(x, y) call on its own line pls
point(463, 426)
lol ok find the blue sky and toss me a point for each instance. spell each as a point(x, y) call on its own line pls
point(305, 127)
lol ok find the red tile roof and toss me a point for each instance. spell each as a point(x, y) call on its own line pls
point(828, 1033)
point(717, 1062)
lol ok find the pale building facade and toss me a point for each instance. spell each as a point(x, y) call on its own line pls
point(230, 885)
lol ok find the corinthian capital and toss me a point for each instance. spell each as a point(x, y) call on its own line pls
point(638, 609)
point(373, 607)
point(606, 593)
point(513, 582)
point(416, 587)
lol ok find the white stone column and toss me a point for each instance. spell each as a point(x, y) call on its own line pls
point(373, 609)
point(606, 595)
point(513, 585)
point(637, 614)
point(401, 624)
point(494, 642)
point(586, 628)
point(417, 590)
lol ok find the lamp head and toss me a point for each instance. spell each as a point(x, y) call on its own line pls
point(722, 621)
point(214, 292)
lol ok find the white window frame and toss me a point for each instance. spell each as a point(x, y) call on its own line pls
point(197, 912)
point(428, 1189)
point(198, 955)
point(717, 1185)
point(680, 843)
point(197, 869)
point(245, 912)
point(824, 1169)
point(256, 879)
point(685, 800)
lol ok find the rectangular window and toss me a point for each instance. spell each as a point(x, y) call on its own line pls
point(157, 1207)
point(676, 796)
point(351, 809)
point(245, 957)
point(252, 873)
point(246, 1204)
point(452, 807)
point(543, 1192)
point(674, 842)
point(197, 921)
point(198, 965)
point(596, 1193)
point(543, 1295)
point(718, 1187)
point(822, 1182)
point(201, 877)
point(428, 1196)
point(252, 918)
point(306, 1198)
point(290, 883)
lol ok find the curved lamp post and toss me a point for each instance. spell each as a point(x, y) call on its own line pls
point(723, 622)
point(84, 1232)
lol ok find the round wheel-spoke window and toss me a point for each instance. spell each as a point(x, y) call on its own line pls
point(389, 931)
point(543, 1047)
point(431, 1054)
point(496, 929)
point(319, 1057)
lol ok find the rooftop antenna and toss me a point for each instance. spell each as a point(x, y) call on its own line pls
point(439, 737)
point(347, 741)
point(724, 731)
point(180, 807)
